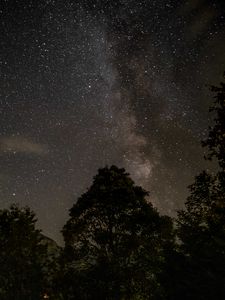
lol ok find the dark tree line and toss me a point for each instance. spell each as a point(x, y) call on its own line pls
point(117, 245)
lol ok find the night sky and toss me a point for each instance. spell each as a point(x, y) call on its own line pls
point(84, 84)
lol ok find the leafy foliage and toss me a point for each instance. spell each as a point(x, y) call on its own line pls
point(216, 138)
point(21, 255)
point(201, 226)
point(114, 241)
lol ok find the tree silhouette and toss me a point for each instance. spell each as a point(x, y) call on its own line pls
point(21, 255)
point(216, 138)
point(114, 241)
point(201, 225)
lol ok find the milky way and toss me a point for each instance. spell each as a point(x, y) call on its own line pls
point(86, 84)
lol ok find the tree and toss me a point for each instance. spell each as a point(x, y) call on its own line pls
point(114, 241)
point(201, 229)
point(50, 267)
point(216, 139)
point(21, 255)
point(201, 225)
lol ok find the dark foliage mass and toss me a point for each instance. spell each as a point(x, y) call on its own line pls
point(201, 226)
point(117, 245)
point(22, 255)
point(115, 241)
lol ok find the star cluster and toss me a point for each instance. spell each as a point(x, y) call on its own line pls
point(86, 84)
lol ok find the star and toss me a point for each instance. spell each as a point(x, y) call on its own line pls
point(84, 85)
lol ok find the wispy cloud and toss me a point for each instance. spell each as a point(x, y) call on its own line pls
point(20, 144)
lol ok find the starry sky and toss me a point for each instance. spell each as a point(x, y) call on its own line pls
point(84, 84)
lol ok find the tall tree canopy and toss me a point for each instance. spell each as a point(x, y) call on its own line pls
point(201, 225)
point(22, 255)
point(114, 241)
